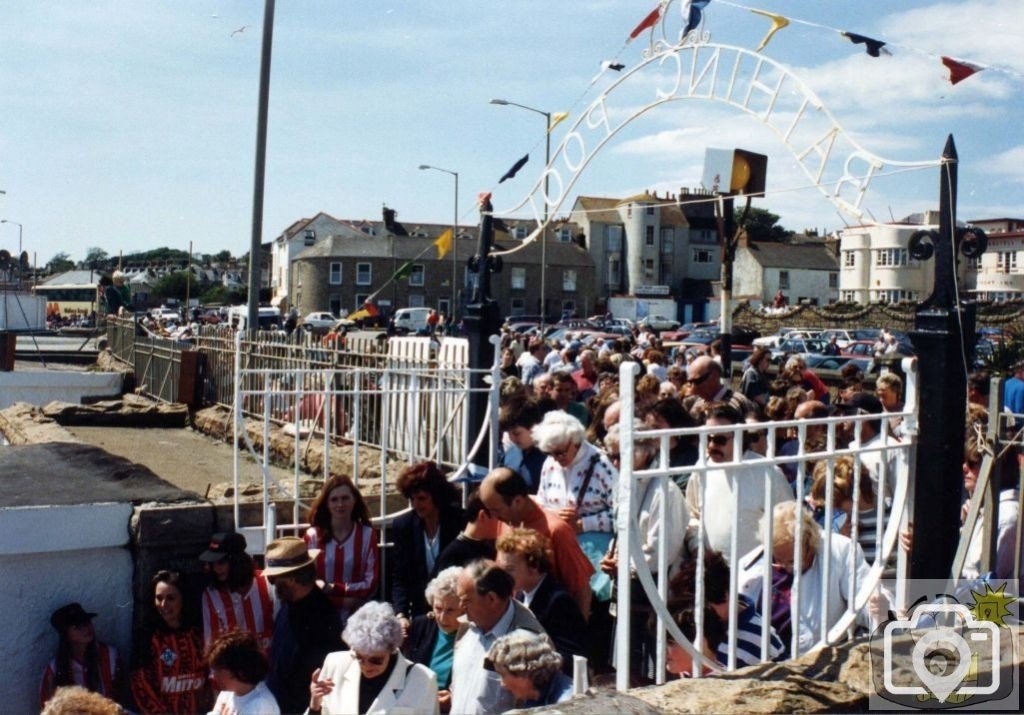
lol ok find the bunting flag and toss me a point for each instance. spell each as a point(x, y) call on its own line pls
point(556, 119)
point(404, 271)
point(959, 70)
point(443, 244)
point(369, 310)
point(608, 65)
point(648, 22)
point(778, 22)
point(515, 169)
point(872, 46)
point(693, 12)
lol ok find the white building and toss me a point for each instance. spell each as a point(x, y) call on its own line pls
point(295, 239)
point(806, 271)
point(998, 274)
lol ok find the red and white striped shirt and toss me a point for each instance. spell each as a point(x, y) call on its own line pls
point(107, 659)
point(350, 566)
point(225, 610)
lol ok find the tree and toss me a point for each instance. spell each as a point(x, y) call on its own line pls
point(222, 257)
point(60, 263)
point(95, 257)
point(172, 285)
point(761, 225)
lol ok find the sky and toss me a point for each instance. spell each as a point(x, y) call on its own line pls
point(131, 125)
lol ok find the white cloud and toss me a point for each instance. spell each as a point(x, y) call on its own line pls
point(1010, 163)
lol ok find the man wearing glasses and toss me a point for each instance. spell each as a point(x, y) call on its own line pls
point(717, 494)
point(704, 382)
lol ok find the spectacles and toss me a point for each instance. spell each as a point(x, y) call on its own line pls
point(563, 452)
point(719, 440)
point(698, 380)
point(371, 659)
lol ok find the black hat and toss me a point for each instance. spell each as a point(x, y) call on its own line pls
point(861, 401)
point(223, 544)
point(70, 615)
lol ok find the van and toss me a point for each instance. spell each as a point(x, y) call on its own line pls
point(411, 320)
point(269, 317)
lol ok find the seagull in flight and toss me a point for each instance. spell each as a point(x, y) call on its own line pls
point(240, 30)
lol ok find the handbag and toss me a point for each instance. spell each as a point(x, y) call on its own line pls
point(594, 544)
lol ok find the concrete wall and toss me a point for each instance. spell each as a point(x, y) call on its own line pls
point(50, 556)
point(40, 387)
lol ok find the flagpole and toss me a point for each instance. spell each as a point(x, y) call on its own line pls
point(391, 280)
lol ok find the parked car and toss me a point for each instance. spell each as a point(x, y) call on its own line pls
point(802, 346)
point(319, 321)
point(658, 322)
point(411, 320)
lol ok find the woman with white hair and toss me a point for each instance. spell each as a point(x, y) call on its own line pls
point(577, 481)
point(530, 669)
point(372, 677)
point(431, 639)
point(844, 557)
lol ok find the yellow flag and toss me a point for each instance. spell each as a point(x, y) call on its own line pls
point(444, 244)
point(556, 119)
point(778, 22)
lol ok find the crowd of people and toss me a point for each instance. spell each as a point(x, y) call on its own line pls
point(495, 593)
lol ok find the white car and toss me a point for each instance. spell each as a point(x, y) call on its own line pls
point(658, 322)
point(319, 321)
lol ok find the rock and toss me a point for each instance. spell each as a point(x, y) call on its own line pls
point(106, 362)
point(748, 695)
point(22, 423)
point(129, 411)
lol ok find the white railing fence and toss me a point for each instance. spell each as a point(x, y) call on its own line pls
point(892, 466)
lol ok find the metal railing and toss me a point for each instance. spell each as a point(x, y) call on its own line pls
point(893, 470)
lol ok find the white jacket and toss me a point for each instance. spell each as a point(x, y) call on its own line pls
point(846, 556)
point(411, 689)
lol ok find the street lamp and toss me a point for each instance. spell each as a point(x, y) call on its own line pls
point(455, 236)
point(20, 228)
point(547, 160)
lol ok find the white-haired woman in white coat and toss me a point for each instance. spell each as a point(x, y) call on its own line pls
point(373, 677)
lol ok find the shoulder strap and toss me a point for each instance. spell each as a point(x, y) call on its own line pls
point(586, 478)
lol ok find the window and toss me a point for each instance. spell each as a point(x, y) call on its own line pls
point(649, 270)
point(783, 280)
point(833, 280)
point(891, 257)
point(360, 299)
point(569, 307)
point(667, 240)
point(1008, 262)
point(849, 259)
point(650, 211)
point(443, 306)
point(974, 263)
point(848, 296)
point(518, 278)
point(892, 295)
point(368, 230)
point(416, 300)
point(649, 238)
point(564, 235)
point(702, 255)
point(364, 274)
point(569, 280)
point(665, 276)
point(334, 303)
point(614, 272)
point(614, 239)
point(308, 237)
point(518, 306)
point(335, 274)
point(520, 232)
point(416, 278)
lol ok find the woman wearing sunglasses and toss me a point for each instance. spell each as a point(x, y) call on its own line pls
point(372, 677)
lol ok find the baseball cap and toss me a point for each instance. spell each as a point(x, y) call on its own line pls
point(222, 544)
point(70, 615)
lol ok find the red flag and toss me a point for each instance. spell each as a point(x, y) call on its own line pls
point(648, 22)
point(960, 70)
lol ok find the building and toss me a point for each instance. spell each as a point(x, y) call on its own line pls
point(651, 245)
point(338, 272)
point(876, 267)
point(998, 274)
point(806, 271)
